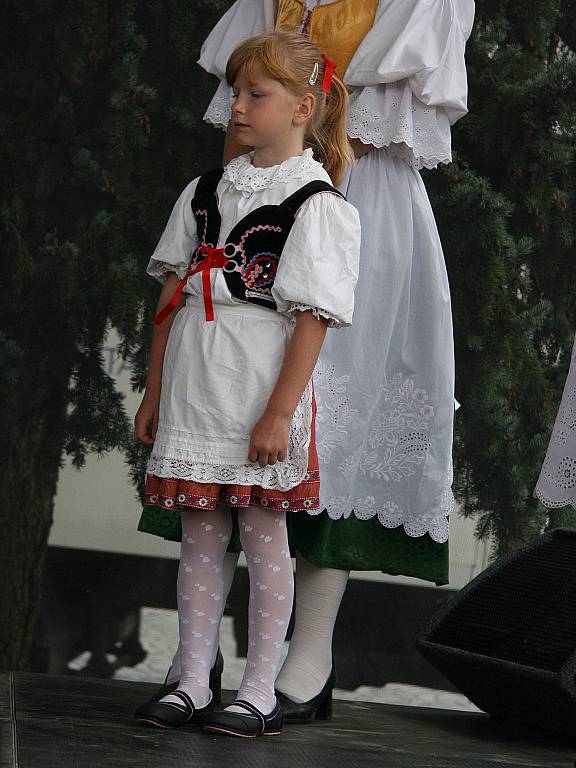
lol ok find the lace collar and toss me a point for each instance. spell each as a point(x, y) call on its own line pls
point(246, 178)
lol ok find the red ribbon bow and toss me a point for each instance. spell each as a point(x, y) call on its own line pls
point(329, 68)
point(214, 258)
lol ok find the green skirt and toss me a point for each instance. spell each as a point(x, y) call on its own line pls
point(348, 544)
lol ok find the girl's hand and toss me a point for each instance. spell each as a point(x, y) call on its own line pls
point(146, 419)
point(269, 439)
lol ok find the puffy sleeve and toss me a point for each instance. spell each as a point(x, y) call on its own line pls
point(408, 79)
point(178, 241)
point(318, 270)
point(422, 41)
point(244, 19)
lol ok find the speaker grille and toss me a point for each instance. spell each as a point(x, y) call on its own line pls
point(524, 612)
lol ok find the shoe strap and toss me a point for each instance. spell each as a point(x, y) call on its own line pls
point(188, 703)
point(252, 709)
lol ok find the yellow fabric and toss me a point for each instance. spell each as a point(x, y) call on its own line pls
point(288, 14)
point(336, 28)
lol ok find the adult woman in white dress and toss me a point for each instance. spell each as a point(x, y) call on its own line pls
point(385, 387)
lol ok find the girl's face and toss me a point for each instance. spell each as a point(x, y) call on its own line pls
point(264, 113)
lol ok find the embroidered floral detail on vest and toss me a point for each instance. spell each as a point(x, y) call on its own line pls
point(254, 246)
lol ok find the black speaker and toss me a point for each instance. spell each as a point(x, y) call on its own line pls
point(508, 639)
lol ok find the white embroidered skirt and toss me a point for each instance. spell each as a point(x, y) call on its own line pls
point(385, 387)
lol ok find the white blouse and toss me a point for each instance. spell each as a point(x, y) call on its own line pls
point(408, 76)
point(319, 264)
point(219, 375)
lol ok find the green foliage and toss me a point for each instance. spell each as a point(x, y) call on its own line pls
point(100, 129)
point(506, 213)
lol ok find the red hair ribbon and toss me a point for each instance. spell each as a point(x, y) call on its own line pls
point(214, 258)
point(329, 68)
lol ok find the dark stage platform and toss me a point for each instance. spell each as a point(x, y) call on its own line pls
point(68, 722)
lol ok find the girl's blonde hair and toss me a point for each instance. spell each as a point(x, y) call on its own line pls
point(290, 58)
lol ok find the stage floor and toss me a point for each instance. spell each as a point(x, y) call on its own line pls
point(73, 722)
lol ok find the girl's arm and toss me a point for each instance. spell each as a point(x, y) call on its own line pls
point(269, 440)
point(146, 419)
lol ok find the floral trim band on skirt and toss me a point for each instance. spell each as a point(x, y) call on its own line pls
point(181, 495)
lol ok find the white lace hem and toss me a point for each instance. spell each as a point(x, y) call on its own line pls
point(390, 515)
point(386, 116)
point(319, 314)
point(218, 112)
point(391, 116)
point(556, 486)
point(247, 178)
point(372, 480)
point(238, 474)
point(161, 269)
point(175, 457)
point(556, 503)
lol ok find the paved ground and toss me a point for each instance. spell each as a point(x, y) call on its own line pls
point(159, 631)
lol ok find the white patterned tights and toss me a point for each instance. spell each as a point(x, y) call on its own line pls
point(201, 598)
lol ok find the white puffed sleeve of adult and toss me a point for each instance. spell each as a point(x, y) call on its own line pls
point(244, 19)
point(318, 269)
point(422, 41)
point(178, 241)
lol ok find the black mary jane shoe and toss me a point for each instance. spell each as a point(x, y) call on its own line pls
point(161, 714)
point(246, 725)
point(215, 683)
point(317, 708)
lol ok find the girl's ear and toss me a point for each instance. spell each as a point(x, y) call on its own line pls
point(304, 109)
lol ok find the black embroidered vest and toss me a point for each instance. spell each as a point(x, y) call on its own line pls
point(254, 247)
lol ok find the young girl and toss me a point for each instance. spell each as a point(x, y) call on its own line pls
point(385, 387)
point(265, 253)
